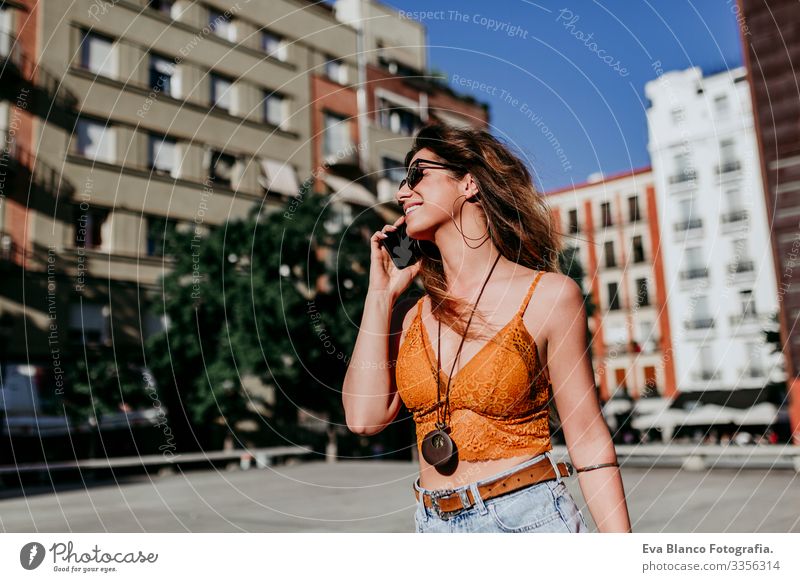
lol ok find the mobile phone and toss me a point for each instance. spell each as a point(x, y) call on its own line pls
point(402, 248)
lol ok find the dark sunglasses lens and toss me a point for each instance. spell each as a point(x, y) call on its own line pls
point(414, 176)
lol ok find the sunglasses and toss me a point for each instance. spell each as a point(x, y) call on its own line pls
point(415, 173)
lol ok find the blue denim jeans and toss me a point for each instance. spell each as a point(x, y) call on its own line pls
point(546, 506)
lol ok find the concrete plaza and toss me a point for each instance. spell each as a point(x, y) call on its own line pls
point(376, 496)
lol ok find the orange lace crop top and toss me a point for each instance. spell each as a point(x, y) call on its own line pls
point(498, 399)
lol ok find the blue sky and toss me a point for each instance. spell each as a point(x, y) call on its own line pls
point(541, 70)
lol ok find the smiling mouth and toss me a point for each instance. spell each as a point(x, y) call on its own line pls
point(411, 209)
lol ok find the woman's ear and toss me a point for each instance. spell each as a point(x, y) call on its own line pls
point(472, 188)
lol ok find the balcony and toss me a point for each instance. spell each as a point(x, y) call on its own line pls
point(728, 167)
point(694, 273)
point(741, 267)
point(734, 216)
point(700, 323)
point(705, 375)
point(745, 318)
point(683, 176)
point(752, 372)
point(691, 224)
point(736, 220)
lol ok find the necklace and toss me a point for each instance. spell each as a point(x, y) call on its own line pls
point(438, 449)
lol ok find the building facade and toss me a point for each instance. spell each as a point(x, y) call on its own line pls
point(715, 236)
point(769, 33)
point(611, 230)
point(125, 120)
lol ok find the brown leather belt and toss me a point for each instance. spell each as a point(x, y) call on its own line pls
point(450, 502)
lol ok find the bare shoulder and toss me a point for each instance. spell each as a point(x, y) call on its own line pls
point(559, 290)
point(557, 299)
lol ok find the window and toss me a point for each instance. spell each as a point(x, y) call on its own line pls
point(98, 54)
point(88, 323)
point(647, 337)
point(613, 296)
point(705, 365)
point(276, 109)
point(166, 7)
point(747, 303)
point(633, 209)
point(727, 157)
point(611, 260)
point(341, 216)
point(702, 309)
point(90, 227)
point(642, 294)
point(734, 198)
point(162, 155)
point(694, 258)
point(275, 46)
point(701, 317)
point(605, 207)
point(336, 137)
point(221, 92)
point(161, 72)
point(336, 71)
point(221, 25)
point(573, 221)
point(682, 163)
point(638, 249)
point(393, 170)
point(721, 105)
point(396, 119)
point(96, 140)
point(689, 218)
point(159, 230)
point(727, 150)
point(221, 167)
point(687, 207)
point(741, 262)
point(754, 363)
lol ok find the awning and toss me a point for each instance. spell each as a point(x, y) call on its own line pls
point(277, 176)
point(348, 191)
point(617, 406)
point(710, 414)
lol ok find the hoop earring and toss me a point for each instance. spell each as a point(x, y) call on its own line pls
point(461, 230)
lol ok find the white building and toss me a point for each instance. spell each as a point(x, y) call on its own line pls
point(718, 264)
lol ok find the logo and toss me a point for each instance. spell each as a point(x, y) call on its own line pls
point(403, 252)
point(31, 555)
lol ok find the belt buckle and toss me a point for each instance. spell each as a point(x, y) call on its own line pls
point(570, 468)
point(435, 503)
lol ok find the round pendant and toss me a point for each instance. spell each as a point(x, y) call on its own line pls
point(438, 448)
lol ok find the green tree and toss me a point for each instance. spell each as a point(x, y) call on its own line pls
point(256, 297)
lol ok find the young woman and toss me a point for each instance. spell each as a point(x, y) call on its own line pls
point(499, 337)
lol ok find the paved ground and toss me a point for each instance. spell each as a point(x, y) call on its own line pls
point(375, 496)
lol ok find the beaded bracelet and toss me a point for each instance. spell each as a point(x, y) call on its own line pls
point(596, 467)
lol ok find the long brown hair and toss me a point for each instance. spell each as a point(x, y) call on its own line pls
point(520, 222)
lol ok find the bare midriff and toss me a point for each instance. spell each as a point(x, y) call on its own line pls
point(466, 472)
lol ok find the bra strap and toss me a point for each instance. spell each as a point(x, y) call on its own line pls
point(527, 299)
point(419, 306)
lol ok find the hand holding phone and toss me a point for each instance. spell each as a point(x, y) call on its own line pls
point(401, 248)
point(394, 259)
